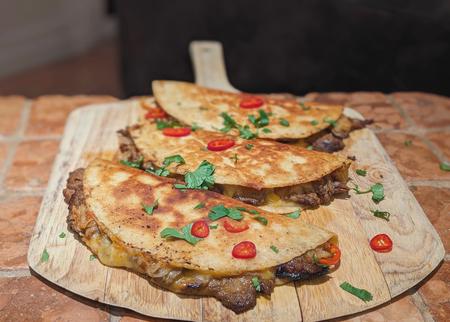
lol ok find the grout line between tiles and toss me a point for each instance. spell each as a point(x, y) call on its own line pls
point(422, 307)
point(447, 258)
point(409, 121)
point(23, 122)
point(431, 183)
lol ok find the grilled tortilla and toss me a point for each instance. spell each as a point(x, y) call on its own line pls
point(106, 209)
point(274, 176)
point(193, 104)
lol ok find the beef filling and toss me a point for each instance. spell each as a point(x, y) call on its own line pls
point(236, 292)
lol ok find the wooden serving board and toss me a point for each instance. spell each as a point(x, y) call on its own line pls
point(91, 132)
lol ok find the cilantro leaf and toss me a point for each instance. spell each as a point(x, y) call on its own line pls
point(251, 211)
point(256, 284)
point(407, 142)
point(235, 158)
point(228, 122)
point(92, 257)
point(201, 178)
point(249, 146)
point(45, 256)
point(314, 122)
point(200, 205)
point(266, 130)
point(173, 159)
point(444, 166)
point(284, 122)
point(150, 208)
point(274, 248)
point(220, 211)
point(245, 133)
point(294, 215)
point(134, 164)
point(179, 186)
point(195, 127)
point(62, 235)
point(358, 292)
point(213, 226)
point(262, 220)
point(304, 107)
point(330, 121)
point(361, 172)
point(161, 124)
point(309, 147)
point(185, 234)
point(381, 214)
point(377, 191)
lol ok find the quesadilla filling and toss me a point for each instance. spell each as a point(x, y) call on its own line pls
point(309, 194)
point(237, 293)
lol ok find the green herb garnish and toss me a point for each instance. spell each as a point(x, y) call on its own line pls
point(377, 191)
point(266, 130)
point(330, 121)
point(92, 257)
point(245, 133)
point(62, 235)
point(284, 122)
point(274, 248)
point(381, 214)
point(235, 158)
point(262, 220)
point(45, 256)
point(294, 215)
point(134, 164)
point(260, 121)
point(161, 124)
point(444, 166)
point(213, 226)
point(220, 211)
point(407, 143)
point(314, 122)
point(249, 146)
point(304, 107)
point(185, 234)
point(195, 127)
point(309, 147)
point(201, 178)
point(228, 122)
point(361, 172)
point(256, 284)
point(251, 211)
point(200, 205)
point(173, 159)
point(358, 292)
point(150, 208)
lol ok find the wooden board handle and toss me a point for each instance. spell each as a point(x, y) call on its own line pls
point(209, 65)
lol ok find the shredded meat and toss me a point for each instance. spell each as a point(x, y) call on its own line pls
point(236, 293)
point(127, 148)
point(328, 143)
point(250, 196)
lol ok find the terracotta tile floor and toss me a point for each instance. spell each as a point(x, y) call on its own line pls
point(30, 132)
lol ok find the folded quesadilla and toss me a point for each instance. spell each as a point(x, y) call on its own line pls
point(192, 241)
point(274, 176)
point(322, 126)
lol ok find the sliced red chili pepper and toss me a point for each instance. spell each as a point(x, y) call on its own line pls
point(155, 113)
point(176, 131)
point(200, 229)
point(220, 144)
point(251, 102)
point(334, 259)
point(245, 249)
point(381, 243)
point(234, 226)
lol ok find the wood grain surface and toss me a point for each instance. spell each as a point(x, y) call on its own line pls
point(90, 133)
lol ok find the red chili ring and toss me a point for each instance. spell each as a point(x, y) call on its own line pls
point(251, 102)
point(176, 131)
point(381, 243)
point(155, 113)
point(220, 144)
point(234, 226)
point(244, 250)
point(200, 229)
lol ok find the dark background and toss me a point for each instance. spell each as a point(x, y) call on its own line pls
point(291, 46)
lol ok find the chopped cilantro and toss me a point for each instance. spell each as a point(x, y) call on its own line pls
point(249, 146)
point(377, 191)
point(266, 130)
point(185, 234)
point(134, 164)
point(304, 107)
point(200, 205)
point(173, 159)
point(330, 121)
point(228, 122)
point(256, 284)
point(309, 147)
point(444, 166)
point(213, 226)
point(358, 292)
point(195, 127)
point(381, 214)
point(274, 248)
point(161, 124)
point(261, 121)
point(314, 122)
point(62, 235)
point(294, 215)
point(407, 143)
point(45, 256)
point(361, 172)
point(235, 158)
point(284, 122)
point(245, 133)
point(150, 208)
point(262, 220)
point(251, 211)
point(92, 257)
point(201, 178)
point(220, 211)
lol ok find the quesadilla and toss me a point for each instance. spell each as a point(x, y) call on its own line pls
point(323, 126)
point(192, 241)
point(274, 176)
